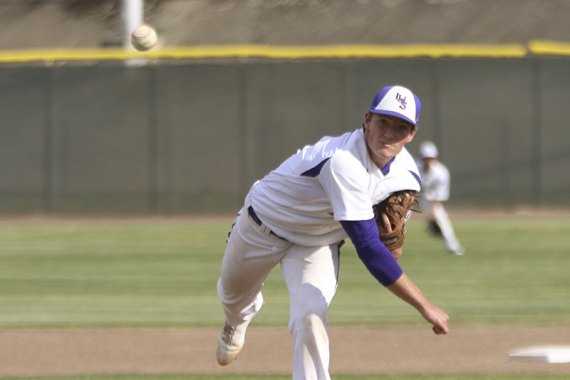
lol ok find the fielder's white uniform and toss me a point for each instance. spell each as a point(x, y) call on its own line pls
point(291, 218)
point(435, 187)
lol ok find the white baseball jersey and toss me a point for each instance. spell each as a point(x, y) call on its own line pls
point(304, 199)
point(435, 182)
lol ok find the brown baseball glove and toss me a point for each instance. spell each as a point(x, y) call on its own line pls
point(391, 216)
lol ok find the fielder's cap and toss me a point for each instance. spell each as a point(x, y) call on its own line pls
point(397, 101)
point(428, 150)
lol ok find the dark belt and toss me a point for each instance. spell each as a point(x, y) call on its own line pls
point(258, 221)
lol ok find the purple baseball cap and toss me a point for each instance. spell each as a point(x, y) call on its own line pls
point(399, 102)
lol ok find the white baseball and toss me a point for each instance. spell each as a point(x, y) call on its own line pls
point(144, 38)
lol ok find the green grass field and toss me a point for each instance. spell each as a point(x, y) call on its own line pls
point(163, 272)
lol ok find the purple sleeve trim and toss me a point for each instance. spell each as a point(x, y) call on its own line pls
point(375, 256)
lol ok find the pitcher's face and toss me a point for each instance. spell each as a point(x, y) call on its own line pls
point(386, 136)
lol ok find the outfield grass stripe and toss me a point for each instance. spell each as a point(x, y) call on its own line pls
point(58, 274)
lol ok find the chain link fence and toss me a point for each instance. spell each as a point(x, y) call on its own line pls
point(192, 137)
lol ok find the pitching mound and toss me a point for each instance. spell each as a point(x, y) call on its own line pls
point(406, 349)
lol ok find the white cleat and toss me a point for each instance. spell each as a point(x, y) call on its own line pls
point(458, 252)
point(230, 343)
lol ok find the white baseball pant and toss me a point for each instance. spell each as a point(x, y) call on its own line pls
point(444, 223)
point(311, 275)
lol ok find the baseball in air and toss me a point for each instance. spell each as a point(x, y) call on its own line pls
point(144, 38)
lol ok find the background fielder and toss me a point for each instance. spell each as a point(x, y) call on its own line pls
point(435, 191)
point(298, 217)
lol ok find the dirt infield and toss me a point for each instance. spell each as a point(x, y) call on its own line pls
point(409, 349)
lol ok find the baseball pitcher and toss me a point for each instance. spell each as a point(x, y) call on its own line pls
point(298, 216)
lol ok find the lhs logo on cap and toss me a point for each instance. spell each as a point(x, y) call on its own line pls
point(402, 100)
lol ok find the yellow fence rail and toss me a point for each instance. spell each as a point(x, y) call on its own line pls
point(293, 52)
